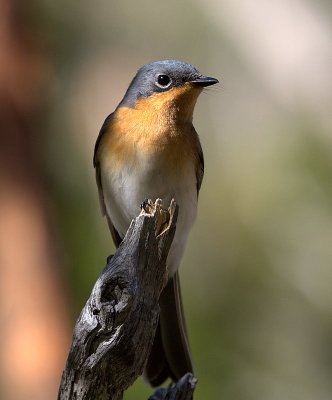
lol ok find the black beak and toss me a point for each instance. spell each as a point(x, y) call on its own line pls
point(204, 81)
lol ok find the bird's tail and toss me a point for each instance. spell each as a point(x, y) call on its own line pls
point(170, 355)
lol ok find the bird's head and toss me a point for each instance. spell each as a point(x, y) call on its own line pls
point(167, 86)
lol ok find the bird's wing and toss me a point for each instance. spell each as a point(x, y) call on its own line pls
point(96, 162)
point(115, 235)
point(199, 163)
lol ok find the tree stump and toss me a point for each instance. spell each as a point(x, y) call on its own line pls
point(114, 333)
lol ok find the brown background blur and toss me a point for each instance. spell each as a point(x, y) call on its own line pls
point(257, 273)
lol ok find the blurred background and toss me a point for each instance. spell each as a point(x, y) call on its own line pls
point(257, 273)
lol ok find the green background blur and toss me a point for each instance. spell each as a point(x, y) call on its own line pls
point(257, 273)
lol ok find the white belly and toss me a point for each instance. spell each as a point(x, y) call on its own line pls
point(124, 190)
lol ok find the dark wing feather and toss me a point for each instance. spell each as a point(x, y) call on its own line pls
point(199, 163)
point(96, 164)
point(115, 235)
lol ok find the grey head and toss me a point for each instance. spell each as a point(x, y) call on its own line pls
point(161, 76)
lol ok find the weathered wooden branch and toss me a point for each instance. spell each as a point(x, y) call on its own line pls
point(182, 390)
point(115, 331)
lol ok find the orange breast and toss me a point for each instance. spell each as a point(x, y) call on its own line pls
point(152, 127)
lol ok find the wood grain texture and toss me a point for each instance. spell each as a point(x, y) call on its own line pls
point(115, 331)
point(182, 390)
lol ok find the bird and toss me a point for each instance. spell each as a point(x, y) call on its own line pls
point(148, 148)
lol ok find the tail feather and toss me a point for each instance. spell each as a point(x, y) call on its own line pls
point(157, 369)
point(170, 355)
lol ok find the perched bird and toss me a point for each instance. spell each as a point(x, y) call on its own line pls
point(148, 148)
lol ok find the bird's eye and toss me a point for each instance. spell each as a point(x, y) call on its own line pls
point(163, 81)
